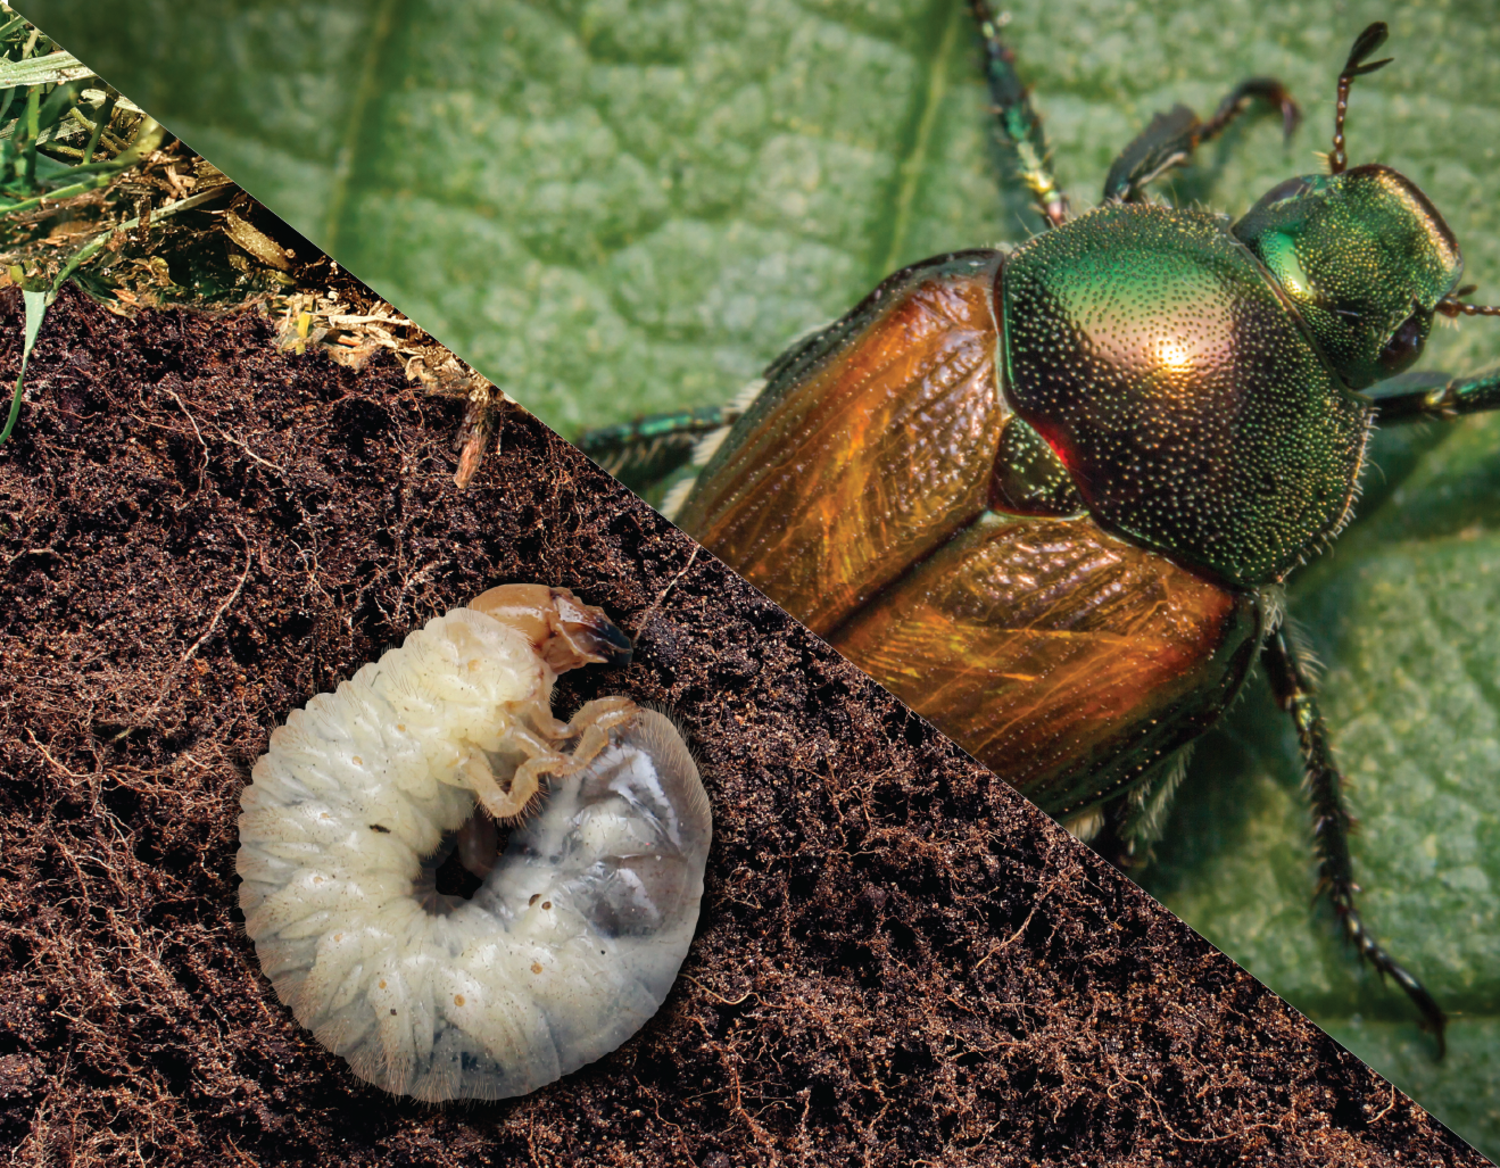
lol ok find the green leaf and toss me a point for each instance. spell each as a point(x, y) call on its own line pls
point(613, 207)
point(35, 305)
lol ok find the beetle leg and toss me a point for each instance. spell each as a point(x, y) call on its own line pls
point(1460, 395)
point(644, 452)
point(1292, 685)
point(1020, 125)
point(1172, 137)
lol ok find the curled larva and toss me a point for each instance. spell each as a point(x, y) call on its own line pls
point(576, 934)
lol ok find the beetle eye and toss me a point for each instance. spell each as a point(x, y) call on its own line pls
point(1405, 345)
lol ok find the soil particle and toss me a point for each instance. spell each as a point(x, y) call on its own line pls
point(899, 961)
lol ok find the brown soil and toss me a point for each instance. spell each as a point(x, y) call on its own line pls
point(899, 961)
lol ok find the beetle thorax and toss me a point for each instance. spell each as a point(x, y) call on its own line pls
point(1173, 379)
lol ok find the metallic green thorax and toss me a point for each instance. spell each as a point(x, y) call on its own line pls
point(1364, 257)
point(1190, 403)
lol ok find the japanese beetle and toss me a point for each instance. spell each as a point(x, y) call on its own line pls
point(1049, 496)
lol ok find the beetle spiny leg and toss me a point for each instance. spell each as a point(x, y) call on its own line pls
point(1269, 90)
point(1172, 137)
point(647, 451)
point(1365, 44)
point(1020, 124)
point(1445, 401)
point(1292, 686)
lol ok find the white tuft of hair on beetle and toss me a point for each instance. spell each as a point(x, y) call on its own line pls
point(576, 934)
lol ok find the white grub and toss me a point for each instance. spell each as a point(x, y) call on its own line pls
point(577, 932)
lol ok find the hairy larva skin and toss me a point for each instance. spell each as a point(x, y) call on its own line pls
point(575, 937)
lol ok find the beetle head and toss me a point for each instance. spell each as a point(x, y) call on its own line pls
point(1364, 258)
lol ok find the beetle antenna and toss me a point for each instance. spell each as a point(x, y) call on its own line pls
point(1365, 44)
point(1454, 305)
